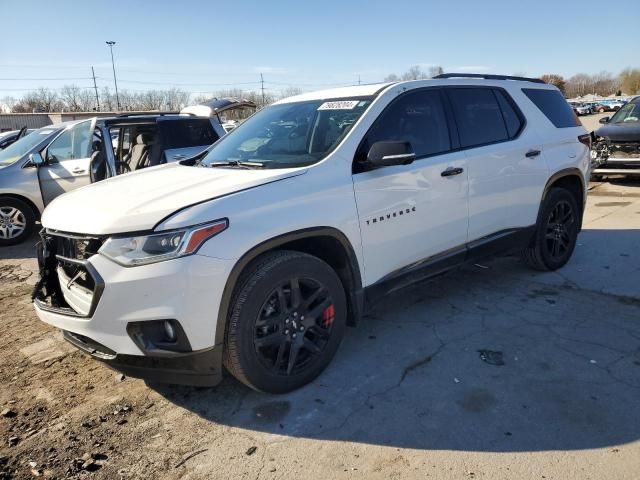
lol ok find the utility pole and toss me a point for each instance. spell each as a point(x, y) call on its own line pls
point(262, 88)
point(93, 74)
point(358, 79)
point(111, 43)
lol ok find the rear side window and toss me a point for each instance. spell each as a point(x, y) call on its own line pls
point(478, 116)
point(554, 106)
point(187, 133)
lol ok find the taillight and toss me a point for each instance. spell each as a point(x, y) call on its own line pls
point(585, 139)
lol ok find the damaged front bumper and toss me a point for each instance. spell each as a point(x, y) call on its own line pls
point(615, 158)
point(120, 315)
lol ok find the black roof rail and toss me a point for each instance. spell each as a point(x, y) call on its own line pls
point(488, 76)
point(148, 114)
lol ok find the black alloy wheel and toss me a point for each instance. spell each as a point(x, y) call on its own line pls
point(286, 320)
point(294, 325)
point(559, 229)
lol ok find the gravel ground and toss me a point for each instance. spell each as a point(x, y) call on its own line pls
point(417, 391)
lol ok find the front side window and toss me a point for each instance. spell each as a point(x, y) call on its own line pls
point(627, 113)
point(289, 135)
point(415, 117)
point(478, 116)
point(75, 142)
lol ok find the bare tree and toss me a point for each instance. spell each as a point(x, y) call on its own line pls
point(554, 79)
point(630, 81)
point(290, 92)
point(415, 73)
point(435, 71)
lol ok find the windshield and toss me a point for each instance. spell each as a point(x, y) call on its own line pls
point(627, 113)
point(288, 135)
point(16, 150)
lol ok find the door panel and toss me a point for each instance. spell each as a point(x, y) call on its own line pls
point(63, 177)
point(411, 212)
point(67, 160)
point(505, 185)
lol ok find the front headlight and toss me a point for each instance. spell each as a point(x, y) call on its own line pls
point(156, 247)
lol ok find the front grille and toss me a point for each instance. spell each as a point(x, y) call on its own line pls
point(68, 283)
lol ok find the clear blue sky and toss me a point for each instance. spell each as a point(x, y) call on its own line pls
point(204, 46)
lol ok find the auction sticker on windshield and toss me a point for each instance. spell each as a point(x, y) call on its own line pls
point(339, 105)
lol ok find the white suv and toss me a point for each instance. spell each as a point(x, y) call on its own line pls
point(257, 254)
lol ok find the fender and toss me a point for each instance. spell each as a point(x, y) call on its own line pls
point(566, 172)
point(354, 291)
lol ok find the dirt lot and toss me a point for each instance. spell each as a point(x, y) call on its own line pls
point(408, 395)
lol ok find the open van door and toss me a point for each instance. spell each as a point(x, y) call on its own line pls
point(66, 160)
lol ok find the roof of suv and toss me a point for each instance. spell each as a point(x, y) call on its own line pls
point(375, 88)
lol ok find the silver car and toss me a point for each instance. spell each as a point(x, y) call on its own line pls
point(36, 169)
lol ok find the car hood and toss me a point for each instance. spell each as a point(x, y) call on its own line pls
point(139, 200)
point(620, 132)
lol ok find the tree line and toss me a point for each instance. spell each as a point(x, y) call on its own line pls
point(603, 84)
point(72, 98)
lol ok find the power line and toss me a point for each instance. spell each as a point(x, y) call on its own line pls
point(43, 79)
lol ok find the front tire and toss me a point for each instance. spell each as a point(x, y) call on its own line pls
point(287, 319)
point(17, 220)
point(556, 232)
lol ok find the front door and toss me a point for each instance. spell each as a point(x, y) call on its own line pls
point(67, 161)
point(409, 213)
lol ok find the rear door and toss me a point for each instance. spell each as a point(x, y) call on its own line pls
point(410, 213)
point(506, 169)
point(67, 160)
point(182, 138)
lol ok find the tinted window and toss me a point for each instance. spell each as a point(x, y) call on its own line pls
point(417, 118)
point(554, 106)
point(478, 116)
point(512, 120)
point(187, 133)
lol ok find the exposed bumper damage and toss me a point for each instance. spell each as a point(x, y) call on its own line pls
point(70, 295)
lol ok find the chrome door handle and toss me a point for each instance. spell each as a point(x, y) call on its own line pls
point(78, 170)
point(532, 153)
point(450, 172)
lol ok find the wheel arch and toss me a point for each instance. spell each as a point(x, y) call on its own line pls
point(570, 179)
point(327, 243)
point(34, 208)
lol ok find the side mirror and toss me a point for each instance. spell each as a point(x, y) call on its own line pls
point(36, 159)
point(386, 154)
point(604, 120)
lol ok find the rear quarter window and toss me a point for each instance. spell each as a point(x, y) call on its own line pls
point(554, 107)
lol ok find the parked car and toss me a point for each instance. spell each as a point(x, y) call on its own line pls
point(616, 145)
point(580, 109)
point(259, 252)
point(609, 106)
point(592, 106)
point(60, 158)
point(12, 136)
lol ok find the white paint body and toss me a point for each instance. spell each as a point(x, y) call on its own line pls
point(500, 189)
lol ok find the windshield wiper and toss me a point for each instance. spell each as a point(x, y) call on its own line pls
point(237, 163)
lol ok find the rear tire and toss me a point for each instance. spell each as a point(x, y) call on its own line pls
point(286, 321)
point(556, 232)
point(17, 220)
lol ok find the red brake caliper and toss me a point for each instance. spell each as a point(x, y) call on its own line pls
point(327, 315)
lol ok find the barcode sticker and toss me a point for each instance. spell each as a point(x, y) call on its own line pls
point(339, 105)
